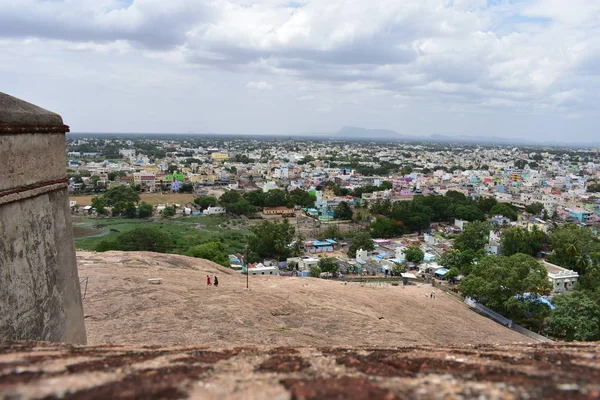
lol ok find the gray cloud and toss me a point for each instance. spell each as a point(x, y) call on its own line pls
point(534, 56)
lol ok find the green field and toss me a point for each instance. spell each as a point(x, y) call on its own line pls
point(185, 232)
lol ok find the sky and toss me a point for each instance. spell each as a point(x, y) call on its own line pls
point(505, 68)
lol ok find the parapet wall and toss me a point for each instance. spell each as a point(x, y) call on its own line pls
point(40, 298)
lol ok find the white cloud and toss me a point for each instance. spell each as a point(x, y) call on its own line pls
point(261, 85)
point(536, 55)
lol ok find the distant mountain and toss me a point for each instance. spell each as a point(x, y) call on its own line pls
point(364, 133)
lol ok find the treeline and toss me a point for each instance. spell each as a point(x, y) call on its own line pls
point(416, 215)
point(248, 203)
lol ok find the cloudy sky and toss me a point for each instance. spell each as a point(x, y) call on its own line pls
point(515, 68)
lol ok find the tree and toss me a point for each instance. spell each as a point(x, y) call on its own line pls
point(495, 281)
point(505, 210)
point(213, 251)
point(145, 210)
point(451, 259)
point(398, 269)
point(315, 272)
point(205, 201)
point(328, 264)
point(594, 188)
point(414, 254)
point(520, 164)
point(572, 246)
point(121, 193)
point(343, 211)
point(473, 237)
point(361, 240)
point(186, 188)
point(452, 273)
point(139, 239)
point(386, 228)
point(545, 216)
point(485, 204)
point(518, 240)
point(535, 208)
point(99, 204)
point(229, 197)
point(168, 212)
point(469, 213)
point(272, 240)
point(576, 317)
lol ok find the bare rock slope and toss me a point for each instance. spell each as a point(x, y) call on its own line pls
point(121, 307)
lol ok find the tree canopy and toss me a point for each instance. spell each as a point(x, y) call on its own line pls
point(573, 246)
point(495, 281)
point(139, 239)
point(519, 240)
point(576, 317)
point(213, 251)
point(271, 240)
point(343, 211)
point(414, 254)
point(361, 240)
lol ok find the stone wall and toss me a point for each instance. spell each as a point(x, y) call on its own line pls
point(40, 298)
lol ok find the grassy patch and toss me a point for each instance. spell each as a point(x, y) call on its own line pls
point(185, 232)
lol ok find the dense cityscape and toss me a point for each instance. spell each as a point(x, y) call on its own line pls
point(469, 218)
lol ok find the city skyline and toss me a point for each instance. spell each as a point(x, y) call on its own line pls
point(511, 69)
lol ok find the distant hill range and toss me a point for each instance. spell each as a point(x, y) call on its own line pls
point(358, 133)
point(365, 134)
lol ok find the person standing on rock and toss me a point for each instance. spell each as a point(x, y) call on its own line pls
point(216, 281)
point(208, 280)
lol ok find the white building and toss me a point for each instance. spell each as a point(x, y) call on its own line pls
point(362, 255)
point(562, 279)
point(214, 211)
point(260, 269)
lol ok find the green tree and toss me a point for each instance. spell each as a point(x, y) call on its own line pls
point(414, 254)
point(315, 272)
point(505, 210)
point(535, 208)
point(572, 247)
point(485, 204)
point(385, 228)
point(187, 188)
point(594, 188)
point(361, 240)
point(520, 164)
point(452, 273)
point(398, 269)
point(469, 213)
point(328, 264)
point(343, 211)
point(121, 193)
point(473, 237)
point(99, 204)
point(213, 251)
point(451, 259)
point(518, 240)
point(495, 281)
point(168, 212)
point(272, 240)
point(577, 316)
point(145, 210)
point(139, 239)
point(205, 201)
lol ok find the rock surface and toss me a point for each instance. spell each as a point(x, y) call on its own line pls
point(121, 307)
point(544, 371)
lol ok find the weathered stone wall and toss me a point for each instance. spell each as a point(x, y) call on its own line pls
point(40, 298)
